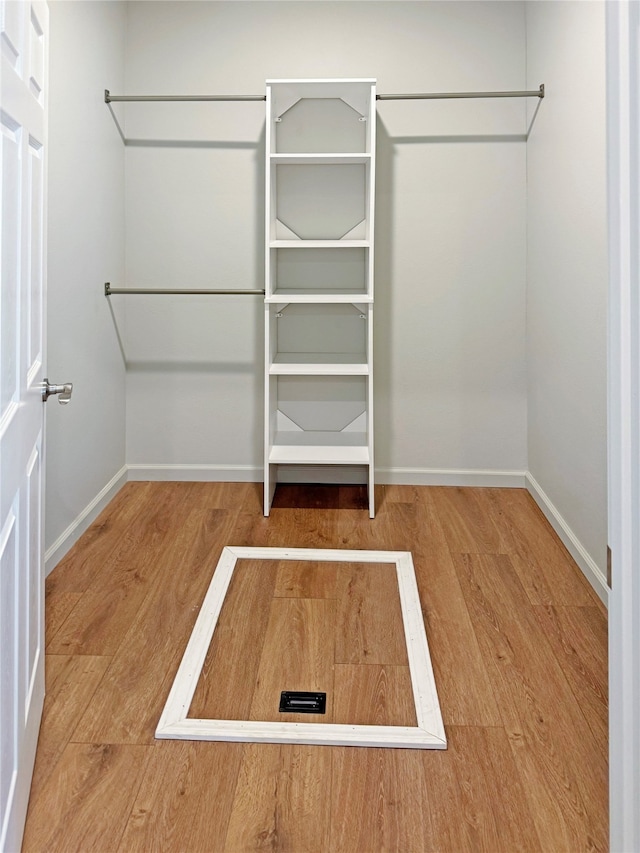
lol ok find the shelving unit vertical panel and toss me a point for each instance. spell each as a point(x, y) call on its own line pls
point(371, 189)
point(269, 261)
point(370, 411)
point(270, 410)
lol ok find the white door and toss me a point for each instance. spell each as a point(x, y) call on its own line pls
point(23, 124)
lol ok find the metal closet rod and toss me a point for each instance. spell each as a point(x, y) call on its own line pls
point(109, 291)
point(109, 98)
point(436, 96)
point(414, 96)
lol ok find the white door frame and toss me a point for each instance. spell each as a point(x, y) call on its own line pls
point(623, 130)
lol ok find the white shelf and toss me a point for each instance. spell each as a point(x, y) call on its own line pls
point(313, 297)
point(320, 448)
point(319, 364)
point(320, 159)
point(319, 244)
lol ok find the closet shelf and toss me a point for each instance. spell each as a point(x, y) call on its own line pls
point(315, 298)
point(320, 448)
point(319, 364)
point(319, 244)
point(320, 159)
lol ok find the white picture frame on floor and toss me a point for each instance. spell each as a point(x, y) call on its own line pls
point(429, 732)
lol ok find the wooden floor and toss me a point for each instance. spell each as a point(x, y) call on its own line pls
point(313, 626)
point(517, 640)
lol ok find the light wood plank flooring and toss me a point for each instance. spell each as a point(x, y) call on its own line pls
point(342, 636)
point(517, 639)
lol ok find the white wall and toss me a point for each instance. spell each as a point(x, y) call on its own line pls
point(86, 439)
point(450, 254)
point(567, 267)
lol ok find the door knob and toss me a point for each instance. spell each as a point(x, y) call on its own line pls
point(63, 391)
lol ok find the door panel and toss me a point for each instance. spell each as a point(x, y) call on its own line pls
point(8, 711)
point(35, 292)
point(12, 20)
point(11, 179)
point(23, 53)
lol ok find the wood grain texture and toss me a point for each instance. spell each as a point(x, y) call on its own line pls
point(476, 798)
point(227, 496)
point(369, 628)
point(379, 801)
point(76, 570)
point(464, 690)
point(98, 623)
point(281, 800)
point(58, 606)
point(468, 521)
point(301, 528)
point(373, 695)
point(227, 681)
point(306, 579)
point(70, 813)
point(521, 679)
point(544, 566)
point(71, 682)
point(278, 630)
point(578, 636)
point(538, 708)
point(128, 703)
point(185, 799)
point(297, 654)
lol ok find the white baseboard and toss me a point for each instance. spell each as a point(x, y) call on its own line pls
point(74, 531)
point(571, 542)
point(451, 477)
point(196, 473)
point(331, 474)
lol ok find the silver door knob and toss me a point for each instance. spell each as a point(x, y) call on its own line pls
point(63, 391)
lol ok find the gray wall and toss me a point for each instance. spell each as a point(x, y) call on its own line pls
point(450, 238)
point(85, 440)
point(567, 267)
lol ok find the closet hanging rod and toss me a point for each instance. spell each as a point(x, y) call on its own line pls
point(109, 291)
point(412, 96)
point(436, 96)
point(109, 98)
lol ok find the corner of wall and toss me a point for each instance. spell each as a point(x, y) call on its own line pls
point(572, 543)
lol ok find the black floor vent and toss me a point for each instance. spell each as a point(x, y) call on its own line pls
point(303, 702)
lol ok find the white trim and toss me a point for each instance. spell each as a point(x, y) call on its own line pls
point(586, 563)
point(428, 734)
point(74, 531)
point(195, 473)
point(623, 186)
point(331, 474)
point(452, 477)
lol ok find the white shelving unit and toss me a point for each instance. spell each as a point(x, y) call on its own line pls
point(320, 169)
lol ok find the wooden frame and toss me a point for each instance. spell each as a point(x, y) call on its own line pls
point(428, 734)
